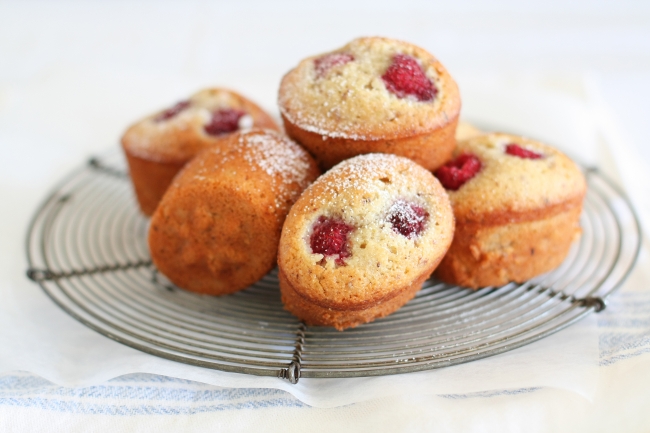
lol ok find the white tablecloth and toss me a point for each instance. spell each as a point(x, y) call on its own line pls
point(73, 75)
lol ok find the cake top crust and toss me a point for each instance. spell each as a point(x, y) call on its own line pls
point(517, 176)
point(179, 132)
point(372, 88)
point(364, 230)
point(257, 160)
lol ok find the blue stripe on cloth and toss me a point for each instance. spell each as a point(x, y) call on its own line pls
point(151, 378)
point(125, 396)
point(116, 398)
point(488, 394)
point(624, 327)
point(13, 382)
point(135, 392)
point(622, 356)
point(624, 333)
point(80, 407)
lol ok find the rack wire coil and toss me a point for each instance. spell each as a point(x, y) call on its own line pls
point(86, 247)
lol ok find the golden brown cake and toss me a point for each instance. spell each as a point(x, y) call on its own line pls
point(517, 204)
point(372, 95)
point(158, 146)
point(217, 227)
point(465, 131)
point(361, 240)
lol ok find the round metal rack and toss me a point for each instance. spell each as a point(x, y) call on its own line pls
point(87, 248)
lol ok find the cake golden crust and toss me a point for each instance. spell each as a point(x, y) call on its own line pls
point(158, 146)
point(341, 318)
point(349, 109)
point(495, 255)
point(150, 180)
point(429, 150)
point(465, 131)
point(517, 217)
point(379, 268)
point(231, 199)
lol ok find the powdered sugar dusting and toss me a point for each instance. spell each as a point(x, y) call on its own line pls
point(325, 63)
point(246, 122)
point(184, 129)
point(288, 165)
point(275, 155)
point(514, 183)
point(390, 214)
point(359, 170)
point(280, 158)
point(408, 219)
point(375, 176)
point(352, 101)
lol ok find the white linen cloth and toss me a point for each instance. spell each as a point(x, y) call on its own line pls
point(56, 375)
point(39, 340)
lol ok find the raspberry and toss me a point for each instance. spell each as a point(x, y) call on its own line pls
point(405, 77)
point(458, 171)
point(325, 63)
point(408, 219)
point(516, 150)
point(171, 112)
point(330, 238)
point(224, 121)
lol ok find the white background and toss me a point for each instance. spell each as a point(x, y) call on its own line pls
point(74, 75)
point(87, 69)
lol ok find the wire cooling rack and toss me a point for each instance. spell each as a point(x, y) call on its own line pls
point(87, 248)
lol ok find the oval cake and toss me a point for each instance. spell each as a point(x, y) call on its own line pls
point(372, 95)
point(158, 146)
point(361, 240)
point(517, 204)
point(217, 228)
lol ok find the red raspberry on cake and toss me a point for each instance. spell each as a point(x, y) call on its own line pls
point(407, 219)
point(516, 150)
point(456, 172)
point(516, 217)
point(329, 237)
point(224, 121)
point(158, 146)
point(329, 61)
point(372, 95)
point(361, 240)
point(405, 77)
